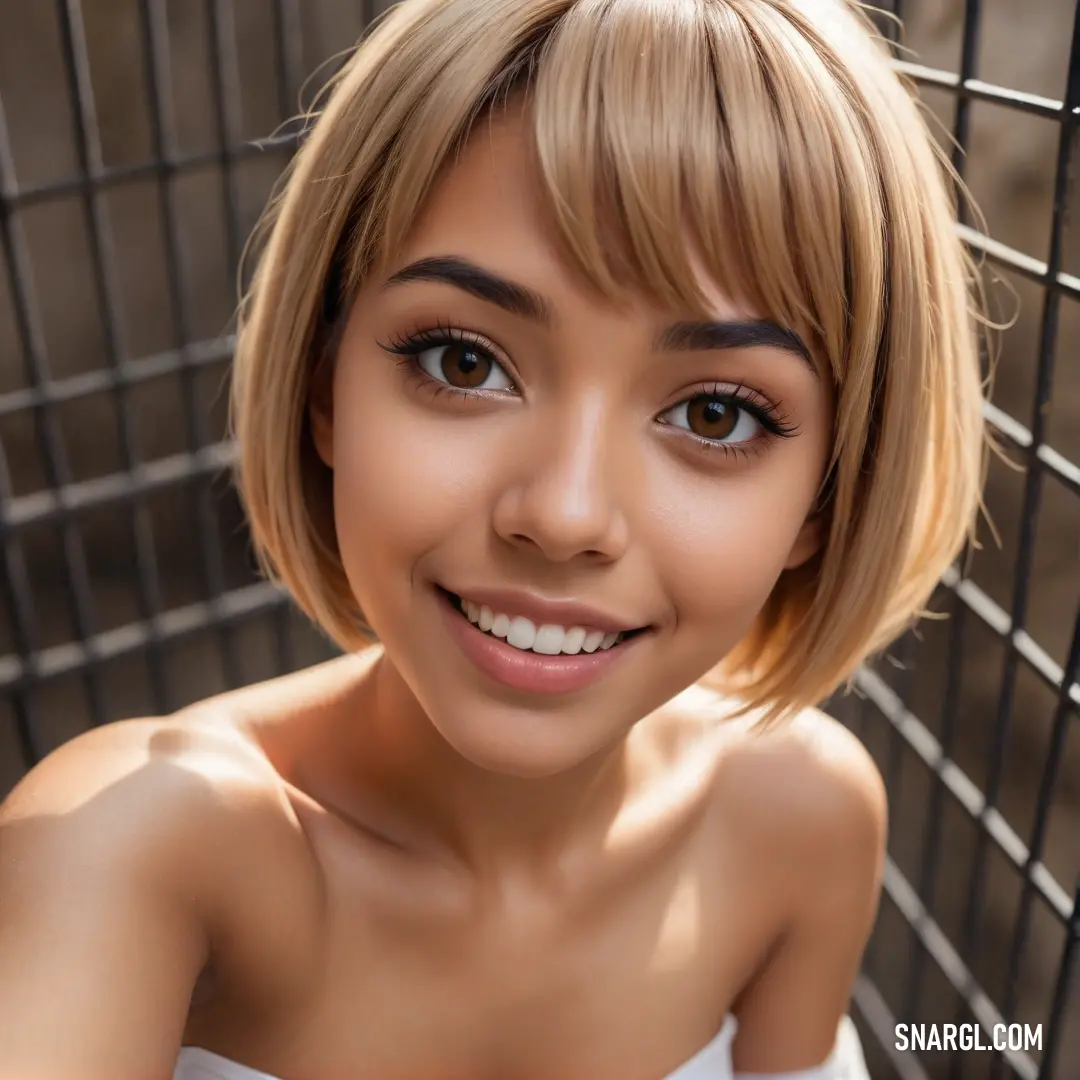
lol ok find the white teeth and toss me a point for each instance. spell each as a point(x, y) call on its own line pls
point(548, 639)
point(522, 633)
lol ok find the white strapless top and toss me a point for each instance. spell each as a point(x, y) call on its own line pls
point(711, 1062)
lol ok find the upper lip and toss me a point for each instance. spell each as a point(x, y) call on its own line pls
point(540, 610)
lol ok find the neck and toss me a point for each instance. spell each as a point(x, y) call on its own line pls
point(492, 824)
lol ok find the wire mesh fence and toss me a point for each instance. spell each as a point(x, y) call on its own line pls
point(139, 140)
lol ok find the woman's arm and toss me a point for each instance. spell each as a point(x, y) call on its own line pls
point(105, 853)
point(832, 816)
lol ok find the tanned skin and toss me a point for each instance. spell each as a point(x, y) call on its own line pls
point(388, 867)
point(148, 861)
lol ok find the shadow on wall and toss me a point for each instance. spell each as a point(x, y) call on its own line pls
point(168, 297)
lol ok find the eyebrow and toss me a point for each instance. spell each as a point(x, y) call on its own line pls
point(519, 300)
point(450, 270)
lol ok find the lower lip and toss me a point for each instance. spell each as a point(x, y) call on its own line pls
point(532, 672)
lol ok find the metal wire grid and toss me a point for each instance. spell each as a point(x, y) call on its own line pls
point(885, 703)
point(28, 667)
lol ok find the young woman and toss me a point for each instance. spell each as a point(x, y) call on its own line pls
point(614, 364)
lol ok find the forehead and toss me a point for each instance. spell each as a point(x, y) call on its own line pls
point(489, 205)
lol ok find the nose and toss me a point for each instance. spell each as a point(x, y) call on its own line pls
point(564, 500)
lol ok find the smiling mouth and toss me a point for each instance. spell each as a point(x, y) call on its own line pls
point(547, 639)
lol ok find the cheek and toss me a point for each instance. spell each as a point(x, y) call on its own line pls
point(726, 539)
point(403, 480)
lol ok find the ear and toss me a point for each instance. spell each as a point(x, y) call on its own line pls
point(321, 416)
point(807, 543)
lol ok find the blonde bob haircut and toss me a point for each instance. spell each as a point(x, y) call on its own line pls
point(778, 134)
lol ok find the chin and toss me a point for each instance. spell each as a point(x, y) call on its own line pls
point(521, 744)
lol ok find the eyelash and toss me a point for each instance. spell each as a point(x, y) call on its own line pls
point(408, 347)
point(765, 412)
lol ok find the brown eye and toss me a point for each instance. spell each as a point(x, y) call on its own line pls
point(715, 418)
point(712, 417)
point(464, 366)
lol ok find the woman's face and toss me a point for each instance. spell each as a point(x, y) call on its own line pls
point(509, 449)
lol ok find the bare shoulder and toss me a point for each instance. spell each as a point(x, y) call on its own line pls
point(823, 768)
point(806, 806)
point(128, 854)
point(184, 802)
point(809, 790)
point(149, 773)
